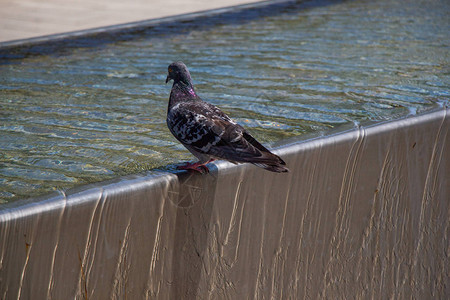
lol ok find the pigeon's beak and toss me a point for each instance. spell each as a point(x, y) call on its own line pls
point(168, 78)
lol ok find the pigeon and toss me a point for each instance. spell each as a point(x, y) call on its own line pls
point(207, 132)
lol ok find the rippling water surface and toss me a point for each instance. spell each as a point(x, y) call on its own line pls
point(99, 112)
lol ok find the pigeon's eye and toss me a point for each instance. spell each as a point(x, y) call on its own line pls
point(170, 70)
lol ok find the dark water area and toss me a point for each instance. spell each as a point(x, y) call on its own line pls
point(94, 113)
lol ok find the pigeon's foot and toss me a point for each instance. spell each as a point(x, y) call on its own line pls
point(198, 167)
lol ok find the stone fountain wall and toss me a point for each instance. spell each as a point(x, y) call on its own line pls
point(363, 214)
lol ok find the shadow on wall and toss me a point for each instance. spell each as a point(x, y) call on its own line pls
point(194, 197)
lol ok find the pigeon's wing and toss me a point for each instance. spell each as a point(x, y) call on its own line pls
point(191, 124)
point(204, 128)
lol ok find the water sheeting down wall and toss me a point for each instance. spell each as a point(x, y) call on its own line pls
point(362, 214)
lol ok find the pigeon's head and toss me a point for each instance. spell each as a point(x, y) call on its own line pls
point(179, 72)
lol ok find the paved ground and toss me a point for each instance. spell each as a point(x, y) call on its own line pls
point(20, 19)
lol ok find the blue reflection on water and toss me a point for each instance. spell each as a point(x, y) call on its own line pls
point(88, 114)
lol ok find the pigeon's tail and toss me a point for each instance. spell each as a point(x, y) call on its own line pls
point(271, 162)
point(268, 160)
point(274, 168)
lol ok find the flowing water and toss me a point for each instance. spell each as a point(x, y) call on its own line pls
point(98, 112)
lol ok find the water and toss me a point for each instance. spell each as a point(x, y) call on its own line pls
point(99, 112)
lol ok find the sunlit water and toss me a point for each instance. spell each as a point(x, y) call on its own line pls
point(99, 112)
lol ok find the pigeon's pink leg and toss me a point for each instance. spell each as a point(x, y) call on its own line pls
point(199, 167)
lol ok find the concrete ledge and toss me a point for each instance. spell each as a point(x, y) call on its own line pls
point(154, 26)
point(21, 19)
point(362, 214)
